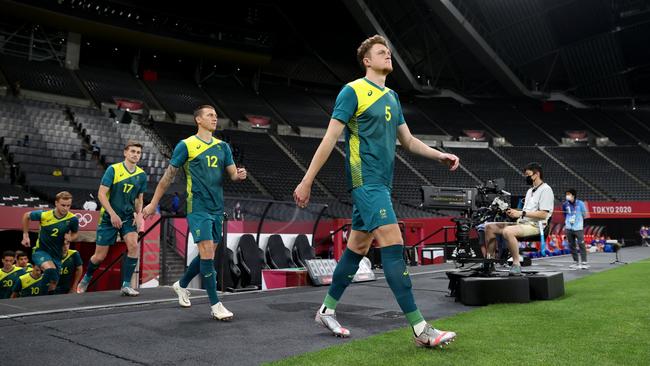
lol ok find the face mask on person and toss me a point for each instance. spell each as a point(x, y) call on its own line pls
point(529, 180)
point(569, 198)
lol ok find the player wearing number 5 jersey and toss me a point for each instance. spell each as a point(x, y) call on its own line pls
point(207, 163)
point(120, 194)
point(371, 116)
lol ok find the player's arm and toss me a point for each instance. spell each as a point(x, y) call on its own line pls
point(236, 174)
point(27, 217)
point(102, 196)
point(137, 212)
point(303, 190)
point(166, 180)
point(415, 146)
point(73, 233)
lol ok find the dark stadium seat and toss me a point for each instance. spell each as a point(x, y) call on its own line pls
point(302, 251)
point(277, 255)
point(250, 260)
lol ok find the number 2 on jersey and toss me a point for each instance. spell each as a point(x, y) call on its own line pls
point(212, 160)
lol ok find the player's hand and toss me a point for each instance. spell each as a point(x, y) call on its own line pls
point(138, 222)
point(148, 211)
point(241, 174)
point(26, 242)
point(116, 221)
point(301, 194)
point(451, 160)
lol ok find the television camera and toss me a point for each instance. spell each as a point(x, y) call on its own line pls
point(473, 207)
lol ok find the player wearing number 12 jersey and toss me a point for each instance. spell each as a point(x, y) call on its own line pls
point(207, 162)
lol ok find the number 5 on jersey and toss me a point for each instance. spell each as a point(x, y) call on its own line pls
point(388, 114)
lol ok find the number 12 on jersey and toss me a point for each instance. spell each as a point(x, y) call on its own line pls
point(212, 160)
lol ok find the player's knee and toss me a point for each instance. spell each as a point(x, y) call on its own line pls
point(51, 275)
point(388, 235)
point(509, 232)
point(98, 258)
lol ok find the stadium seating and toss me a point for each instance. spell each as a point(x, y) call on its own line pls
point(554, 174)
point(295, 106)
point(43, 76)
point(105, 84)
point(236, 99)
point(177, 94)
point(508, 122)
point(587, 163)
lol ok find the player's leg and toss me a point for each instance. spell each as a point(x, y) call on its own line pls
point(194, 222)
point(348, 265)
point(106, 236)
point(129, 262)
point(218, 310)
point(383, 223)
point(49, 268)
point(357, 247)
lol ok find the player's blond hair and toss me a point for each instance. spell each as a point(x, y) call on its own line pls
point(63, 195)
point(366, 45)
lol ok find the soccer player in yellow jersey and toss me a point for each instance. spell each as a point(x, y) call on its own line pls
point(120, 193)
point(371, 116)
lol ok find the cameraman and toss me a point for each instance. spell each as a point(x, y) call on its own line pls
point(538, 207)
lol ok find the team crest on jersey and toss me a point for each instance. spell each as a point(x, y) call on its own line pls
point(369, 92)
point(382, 213)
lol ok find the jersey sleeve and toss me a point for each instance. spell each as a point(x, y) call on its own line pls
point(76, 259)
point(74, 224)
point(228, 160)
point(346, 105)
point(35, 215)
point(400, 114)
point(109, 175)
point(143, 185)
point(179, 156)
point(17, 286)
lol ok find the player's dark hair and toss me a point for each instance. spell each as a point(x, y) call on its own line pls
point(8, 253)
point(132, 143)
point(20, 253)
point(366, 45)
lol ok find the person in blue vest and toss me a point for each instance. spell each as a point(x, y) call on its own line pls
point(574, 215)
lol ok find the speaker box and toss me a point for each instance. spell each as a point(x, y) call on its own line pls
point(546, 286)
point(491, 290)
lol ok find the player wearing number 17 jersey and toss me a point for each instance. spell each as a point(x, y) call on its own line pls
point(207, 162)
point(120, 194)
